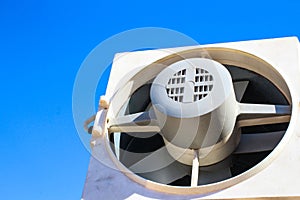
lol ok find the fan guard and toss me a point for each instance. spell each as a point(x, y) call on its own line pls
point(271, 122)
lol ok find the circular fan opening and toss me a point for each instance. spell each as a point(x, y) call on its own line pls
point(131, 149)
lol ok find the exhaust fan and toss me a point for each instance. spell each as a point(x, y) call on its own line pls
point(216, 121)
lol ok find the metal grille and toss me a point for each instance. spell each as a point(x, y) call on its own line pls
point(203, 84)
point(201, 80)
point(175, 87)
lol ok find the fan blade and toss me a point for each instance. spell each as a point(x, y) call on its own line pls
point(240, 88)
point(161, 167)
point(168, 174)
point(258, 142)
point(214, 176)
point(264, 109)
point(155, 161)
point(131, 119)
point(138, 122)
point(217, 172)
point(195, 169)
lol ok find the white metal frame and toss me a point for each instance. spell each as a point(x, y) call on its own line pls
point(280, 177)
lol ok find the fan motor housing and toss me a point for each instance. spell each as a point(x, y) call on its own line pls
point(195, 106)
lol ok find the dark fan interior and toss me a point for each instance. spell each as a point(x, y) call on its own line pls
point(259, 90)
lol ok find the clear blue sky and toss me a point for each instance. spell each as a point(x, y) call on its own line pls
point(43, 44)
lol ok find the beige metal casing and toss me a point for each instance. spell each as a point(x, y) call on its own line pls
point(276, 176)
